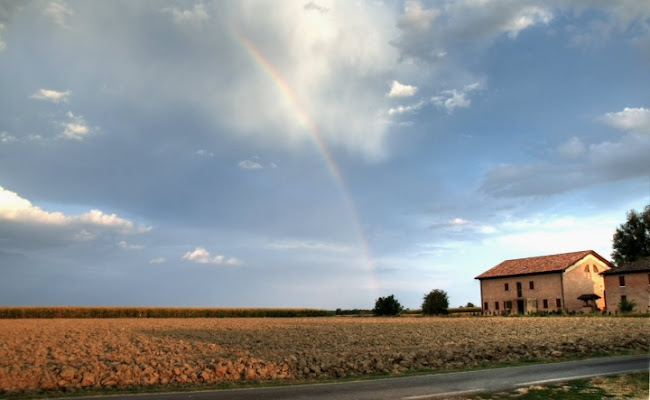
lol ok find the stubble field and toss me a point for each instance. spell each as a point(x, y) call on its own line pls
point(93, 354)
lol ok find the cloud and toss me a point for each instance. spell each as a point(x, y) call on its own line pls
point(311, 245)
point(3, 44)
point(124, 245)
point(608, 161)
point(195, 15)
point(425, 33)
point(204, 153)
point(526, 18)
point(15, 208)
point(6, 137)
point(399, 90)
point(416, 18)
point(459, 221)
point(51, 95)
point(630, 119)
point(59, 12)
point(158, 260)
point(311, 6)
point(250, 165)
point(202, 256)
point(572, 148)
point(76, 128)
point(405, 109)
point(452, 99)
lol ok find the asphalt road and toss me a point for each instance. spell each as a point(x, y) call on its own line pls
point(421, 387)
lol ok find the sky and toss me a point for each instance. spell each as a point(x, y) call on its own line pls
point(311, 153)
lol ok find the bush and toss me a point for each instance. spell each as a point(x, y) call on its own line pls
point(626, 306)
point(435, 303)
point(387, 306)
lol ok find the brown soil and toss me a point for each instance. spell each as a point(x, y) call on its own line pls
point(75, 354)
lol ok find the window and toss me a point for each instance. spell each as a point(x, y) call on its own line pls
point(595, 268)
point(508, 305)
point(545, 303)
point(496, 305)
point(519, 291)
point(587, 268)
point(621, 280)
point(558, 303)
point(486, 306)
point(648, 279)
point(506, 286)
point(531, 285)
point(623, 298)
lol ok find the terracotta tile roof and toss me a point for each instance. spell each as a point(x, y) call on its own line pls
point(641, 265)
point(538, 265)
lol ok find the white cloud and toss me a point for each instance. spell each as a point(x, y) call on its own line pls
point(248, 164)
point(527, 17)
point(15, 208)
point(122, 244)
point(202, 256)
point(204, 153)
point(399, 90)
point(455, 98)
point(631, 119)
point(158, 260)
point(405, 109)
point(6, 137)
point(59, 12)
point(459, 221)
point(76, 128)
point(51, 95)
point(572, 148)
point(196, 14)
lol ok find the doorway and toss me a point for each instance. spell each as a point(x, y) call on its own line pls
point(520, 306)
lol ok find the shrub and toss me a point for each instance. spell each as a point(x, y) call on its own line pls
point(435, 303)
point(387, 306)
point(626, 306)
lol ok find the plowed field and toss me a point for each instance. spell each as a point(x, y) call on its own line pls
point(87, 354)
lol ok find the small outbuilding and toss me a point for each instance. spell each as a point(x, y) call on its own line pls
point(629, 282)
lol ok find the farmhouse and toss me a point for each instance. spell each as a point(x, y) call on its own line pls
point(630, 282)
point(568, 282)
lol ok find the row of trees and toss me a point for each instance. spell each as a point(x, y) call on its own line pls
point(435, 302)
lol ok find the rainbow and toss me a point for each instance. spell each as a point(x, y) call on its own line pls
point(311, 127)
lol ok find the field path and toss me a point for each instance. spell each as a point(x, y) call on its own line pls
point(422, 387)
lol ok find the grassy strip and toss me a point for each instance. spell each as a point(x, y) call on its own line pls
point(157, 312)
point(626, 386)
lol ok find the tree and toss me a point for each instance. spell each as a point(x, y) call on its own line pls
point(470, 304)
point(387, 306)
point(632, 239)
point(435, 303)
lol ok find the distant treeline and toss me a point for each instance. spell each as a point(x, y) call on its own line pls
point(157, 312)
point(462, 310)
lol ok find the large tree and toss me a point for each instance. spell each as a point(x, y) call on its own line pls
point(435, 303)
point(632, 239)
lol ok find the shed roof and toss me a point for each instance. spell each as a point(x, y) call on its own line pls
point(538, 265)
point(642, 265)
